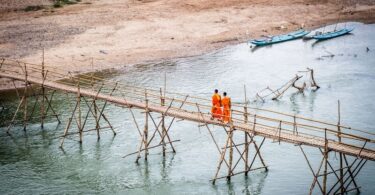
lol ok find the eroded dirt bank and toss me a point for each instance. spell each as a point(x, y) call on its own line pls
point(120, 32)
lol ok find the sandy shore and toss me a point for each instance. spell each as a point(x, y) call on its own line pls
point(119, 32)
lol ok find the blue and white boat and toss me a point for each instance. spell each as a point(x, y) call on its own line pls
point(280, 38)
point(332, 34)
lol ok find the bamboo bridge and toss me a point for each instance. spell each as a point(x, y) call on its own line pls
point(39, 80)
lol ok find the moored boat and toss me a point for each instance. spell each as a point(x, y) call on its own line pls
point(331, 34)
point(280, 38)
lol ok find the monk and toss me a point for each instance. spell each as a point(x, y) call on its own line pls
point(227, 104)
point(216, 106)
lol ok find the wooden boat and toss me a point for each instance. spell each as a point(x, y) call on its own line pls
point(280, 38)
point(332, 34)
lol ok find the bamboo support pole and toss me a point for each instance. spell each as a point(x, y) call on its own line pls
point(68, 124)
point(346, 172)
point(16, 88)
point(325, 164)
point(230, 135)
point(135, 121)
point(312, 171)
point(246, 134)
point(162, 136)
point(162, 123)
point(351, 175)
point(96, 116)
point(355, 175)
point(79, 111)
point(233, 174)
point(235, 146)
point(213, 138)
point(339, 139)
point(258, 153)
point(316, 178)
point(43, 92)
point(145, 131)
point(25, 101)
point(50, 106)
point(97, 124)
point(15, 114)
point(222, 158)
point(173, 119)
point(150, 147)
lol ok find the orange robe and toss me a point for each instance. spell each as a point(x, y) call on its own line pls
point(216, 106)
point(226, 108)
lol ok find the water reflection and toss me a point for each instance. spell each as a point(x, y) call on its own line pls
point(254, 184)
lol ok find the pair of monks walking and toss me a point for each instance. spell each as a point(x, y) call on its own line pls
point(221, 106)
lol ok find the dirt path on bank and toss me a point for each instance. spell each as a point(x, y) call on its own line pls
point(119, 32)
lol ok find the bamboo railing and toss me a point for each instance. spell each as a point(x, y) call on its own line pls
point(242, 115)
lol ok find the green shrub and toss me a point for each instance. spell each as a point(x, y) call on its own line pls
point(34, 8)
point(60, 3)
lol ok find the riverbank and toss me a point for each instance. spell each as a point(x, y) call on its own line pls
point(115, 33)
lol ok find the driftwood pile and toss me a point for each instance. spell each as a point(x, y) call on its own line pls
point(278, 93)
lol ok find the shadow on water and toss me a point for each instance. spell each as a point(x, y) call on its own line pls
point(300, 100)
point(254, 48)
point(318, 42)
point(255, 184)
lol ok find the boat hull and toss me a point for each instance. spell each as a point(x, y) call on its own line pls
point(334, 34)
point(281, 38)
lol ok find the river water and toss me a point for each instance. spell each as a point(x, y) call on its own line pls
point(32, 162)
